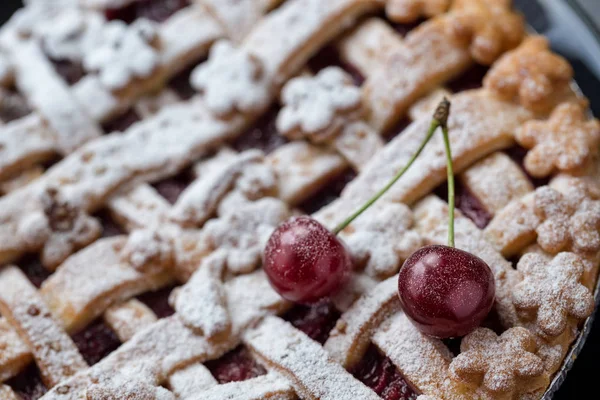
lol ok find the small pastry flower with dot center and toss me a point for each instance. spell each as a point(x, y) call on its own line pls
point(243, 228)
point(407, 11)
point(566, 141)
point(490, 27)
point(318, 107)
point(531, 74)
point(231, 80)
point(149, 250)
point(551, 292)
point(60, 229)
point(567, 224)
point(121, 53)
point(445, 291)
point(505, 364)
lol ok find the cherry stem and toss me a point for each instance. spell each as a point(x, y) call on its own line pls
point(440, 119)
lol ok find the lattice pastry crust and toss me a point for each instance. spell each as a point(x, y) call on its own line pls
point(191, 179)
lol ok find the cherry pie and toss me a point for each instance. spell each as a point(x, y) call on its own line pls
point(149, 148)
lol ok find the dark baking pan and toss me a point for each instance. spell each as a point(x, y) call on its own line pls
point(574, 35)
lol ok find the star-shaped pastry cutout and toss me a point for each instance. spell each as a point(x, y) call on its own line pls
point(407, 11)
point(490, 27)
point(505, 364)
point(531, 74)
point(550, 292)
point(318, 107)
point(382, 238)
point(231, 80)
point(568, 140)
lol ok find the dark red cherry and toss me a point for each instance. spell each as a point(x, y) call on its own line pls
point(445, 291)
point(305, 262)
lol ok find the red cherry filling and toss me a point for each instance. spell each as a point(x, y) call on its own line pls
point(518, 153)
point(468, 204)
point(397, 129)
point(158, 302)
point(70, 71)
point(470, 79)
point(329, 193)
point(109, 227)
point(235, 366)
point(96, 342)
point(316, 320)
point(377, 372)
point(263, 135)
point(122, 122)
point(155, 10)
point(305, 262)
point(28, 384)
point(171, 188)
point(445, 291)
point(180, 83)
point(32, 267)
point(12, 106)
point(330, 56)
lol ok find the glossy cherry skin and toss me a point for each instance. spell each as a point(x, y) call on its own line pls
point(446, 292)
point(305, 262)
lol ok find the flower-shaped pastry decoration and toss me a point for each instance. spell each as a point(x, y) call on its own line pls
point(531, 74)
point(318, 107)
point(489, 27)
point(407, 11)
point(121, 53)
point(149, 250)
point(382, 239)
point(551, 293)
point(243, 228)
point(503, 365)
point(567, 224)
point(231, 80)
point(59, 230)
point(567, 140)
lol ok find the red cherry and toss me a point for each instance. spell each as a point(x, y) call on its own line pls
point(305, 262)
point(445, 291)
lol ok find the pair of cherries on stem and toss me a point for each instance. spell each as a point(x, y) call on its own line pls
point(445, 291)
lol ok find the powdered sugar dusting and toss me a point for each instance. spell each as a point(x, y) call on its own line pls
point(351, 336)
point(504, 364)
point(553, 290)
point(15, 354)
point(243, 228)
point(128, 318)
point(232, 80)
point(201, 302)
point(200, 200)
point(496, 181)
point(382, 238)
point(94, 279)
point(272, 385)
point(318, 107)
point(421, 360)
point(53, 98)
point(304, 361)
point(55, 353)
point(189, 381)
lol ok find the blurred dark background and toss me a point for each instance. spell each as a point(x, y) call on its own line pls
point(582, 380)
